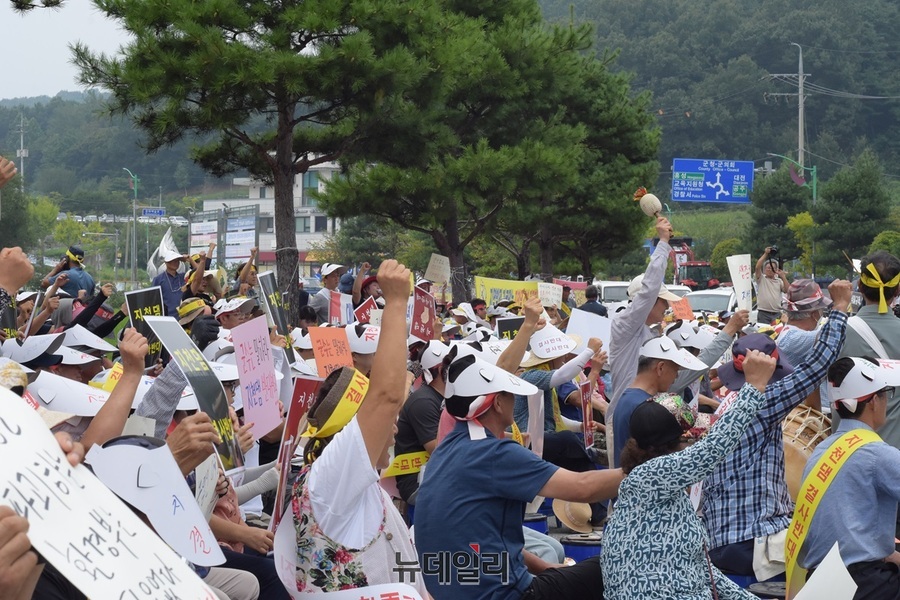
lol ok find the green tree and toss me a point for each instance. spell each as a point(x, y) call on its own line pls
point(886, 240)
point(322, 76)
point(719, 258)
point(14, 229)
point(851, 202)
point(41, 212)
point(803, 226)
point(775, 199)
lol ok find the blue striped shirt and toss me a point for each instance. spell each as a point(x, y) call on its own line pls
point(746, 496)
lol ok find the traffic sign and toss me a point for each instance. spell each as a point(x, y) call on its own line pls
point(702, 180)
point(153, 212)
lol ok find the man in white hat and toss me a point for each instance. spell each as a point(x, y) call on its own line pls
point(472, 499)
point(331, 276)
point(631, 328)
point(657, 369)
point(858, 505)
point(234, 312)
point(170, 282)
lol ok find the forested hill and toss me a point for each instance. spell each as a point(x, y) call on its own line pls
point(78, 151)
point(707, 64)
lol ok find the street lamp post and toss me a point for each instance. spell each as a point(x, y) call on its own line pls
point(814, 187)
point(134, 184)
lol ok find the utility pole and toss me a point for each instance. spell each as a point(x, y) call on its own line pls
point(134, 183)
point(22, 152)
point(801, 97)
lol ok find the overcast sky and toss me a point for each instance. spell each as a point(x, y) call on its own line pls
point(34, 47)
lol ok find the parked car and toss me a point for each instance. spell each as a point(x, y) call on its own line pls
point(679, 290)
point(311, 285)
point(178, 221)
point(78, 218)
point(62, 216)
point(91, 219)
point(712, 301)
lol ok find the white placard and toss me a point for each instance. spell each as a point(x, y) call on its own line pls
point(151, 481)
point(77, 524)
point(831, 580)
point(742, 278)
point(206, 476)
point(438, 270)
point(136, 425)
point(550, 294)
point(587, 325)
point(375, 317)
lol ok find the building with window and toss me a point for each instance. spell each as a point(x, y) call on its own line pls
point(311, 225)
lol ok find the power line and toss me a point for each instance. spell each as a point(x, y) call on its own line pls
point(853, 51)
point(840, 164)
point(826, 91)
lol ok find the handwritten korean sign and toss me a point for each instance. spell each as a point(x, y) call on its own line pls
point(422, 323)
point(256, 369)
point(331, 349)
point(742, 278)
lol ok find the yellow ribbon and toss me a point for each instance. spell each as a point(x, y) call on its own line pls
point(71, 256)
point(814, 487)
point(186, 309)
point(875, 282)
point(345, 410)
point(517, 435)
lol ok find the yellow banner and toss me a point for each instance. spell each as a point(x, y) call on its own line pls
point(493, 291)
point(814, 487)
point(407, 464)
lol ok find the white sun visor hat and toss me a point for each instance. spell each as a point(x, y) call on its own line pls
point(74, 357)
point(433, 354)
point(299, 340)
point(685, 336)
point(32, 347)
point(79, 337)
point(864, 379)
point(23, 296)
point(169, 255)
point(363, 338)
point(635, 286)
point(665, 349)
point(243, 304)
point(329, 268)
point(475, 377)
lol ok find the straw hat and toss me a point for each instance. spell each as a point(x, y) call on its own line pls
point(574, 515)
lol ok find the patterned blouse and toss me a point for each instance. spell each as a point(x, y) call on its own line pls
point(654, 543)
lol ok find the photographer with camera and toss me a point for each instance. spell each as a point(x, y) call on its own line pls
point(771, 282)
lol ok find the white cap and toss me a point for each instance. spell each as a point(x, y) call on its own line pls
point(224, 371)
point(635, 286)
point(240, 303)
point(864, 379)
point(422, 281)
point(169, 255)
point(363, 338)
point(665, 349)
point(434, 354)
point(329, 268)
point(218, 348)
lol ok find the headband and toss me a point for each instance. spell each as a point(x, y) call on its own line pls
point(875, 282)
point(344, 397)
point(71, 256)
point(185, 309)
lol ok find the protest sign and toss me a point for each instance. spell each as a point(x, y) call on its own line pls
point(206, 477)
point(438, 270)
point(493, 291)
point(375, 317)
point(64, 395)
point(508, 327)
point(143, 303)
point(305, 389)
point(550, 294)
point(363, 311)
point(578, 288)
point(273, 304)
point(330, 348)
point(682, 310)
point(742, 278)
point(207, 387)
point(256, 371)
point(586, 325)
point(421, 325)
point(340, 308)
point(78, 524)
point(831, 580)
point(587, 412)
